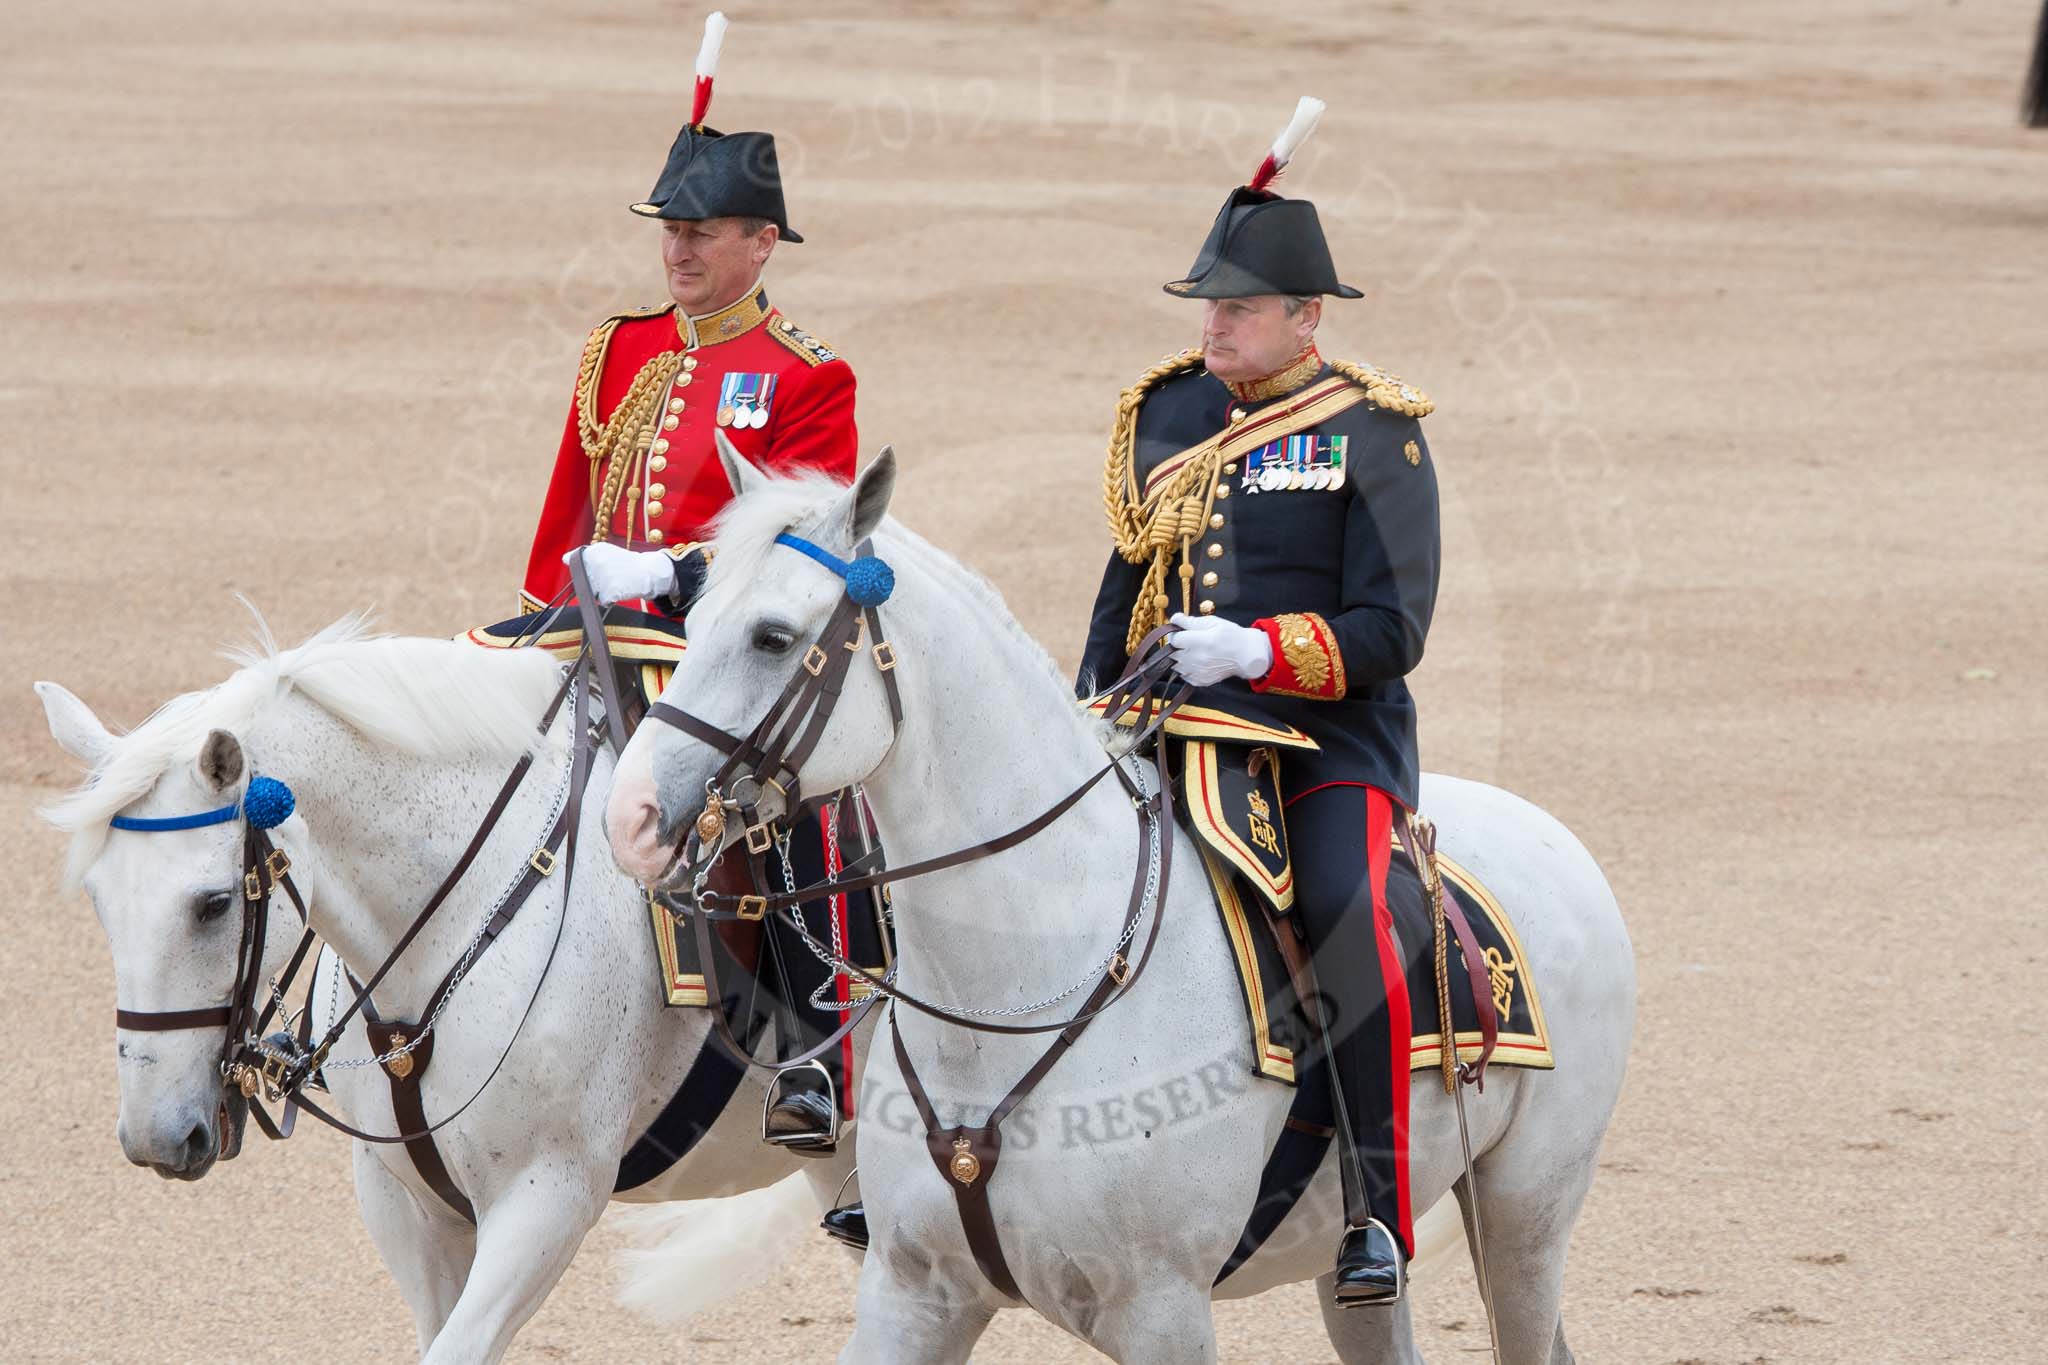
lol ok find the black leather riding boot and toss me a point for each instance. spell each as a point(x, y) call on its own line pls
point(847, 1224)
point(800, 1113)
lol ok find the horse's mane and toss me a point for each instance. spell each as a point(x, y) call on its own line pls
point(424, 697)
point(802, 503)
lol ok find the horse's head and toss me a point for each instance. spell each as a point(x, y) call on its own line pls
point(171, 905)
point(753, 630)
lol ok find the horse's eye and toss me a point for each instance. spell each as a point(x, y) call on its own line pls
point(773, 639)
point(213, 905)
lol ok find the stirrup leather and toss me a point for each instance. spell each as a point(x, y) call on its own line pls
point(802, 1141)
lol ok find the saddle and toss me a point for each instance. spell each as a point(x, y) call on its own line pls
point(1228, 773)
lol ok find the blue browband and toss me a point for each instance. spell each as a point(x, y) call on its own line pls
point(267, 804)
point(869, 580)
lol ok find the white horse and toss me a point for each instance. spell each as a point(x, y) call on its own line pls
point(1128, 1175)
point(394, 748)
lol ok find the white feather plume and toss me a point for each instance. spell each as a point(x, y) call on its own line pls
point(1306, 115)
point(714, 39)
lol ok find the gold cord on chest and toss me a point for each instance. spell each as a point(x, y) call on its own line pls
point(617, 446)
point(1148, 524)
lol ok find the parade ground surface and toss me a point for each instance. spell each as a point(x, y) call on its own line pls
point(1734, 318)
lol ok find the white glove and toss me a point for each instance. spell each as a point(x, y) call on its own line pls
point(617, 574)
point(1208, 649)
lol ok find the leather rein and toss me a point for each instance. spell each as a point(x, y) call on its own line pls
point(279, 1067)
point(772, 754)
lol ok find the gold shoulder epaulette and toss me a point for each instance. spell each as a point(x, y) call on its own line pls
point(1121, 496)
point(587, 372)
point(800, 341)
point(632, 313)
point(1385, 391)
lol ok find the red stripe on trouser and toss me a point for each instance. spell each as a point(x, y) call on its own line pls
point(1379, 839)
point(840, 981)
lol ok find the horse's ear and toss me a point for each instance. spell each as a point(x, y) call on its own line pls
point(76, 729)
point(739, 470)
point(220, 760)
point(872, 488)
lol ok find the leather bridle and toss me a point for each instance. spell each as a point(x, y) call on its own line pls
point(280, 1067)
point(773, 752)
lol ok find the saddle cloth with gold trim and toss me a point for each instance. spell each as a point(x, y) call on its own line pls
point(645, 648)
point(1279, 1033)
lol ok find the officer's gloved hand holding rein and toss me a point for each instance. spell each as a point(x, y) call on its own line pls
point(1208, 649)
point(619, 575)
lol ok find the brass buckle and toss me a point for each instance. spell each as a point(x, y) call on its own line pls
point(274, 1069)
point(759, 839)
point(814, 660)
point(885, 656)
point(279, 864)
point(1119, 969)
point(860, 631)
point(252, 884)
point(543, 861)
point(752, 908)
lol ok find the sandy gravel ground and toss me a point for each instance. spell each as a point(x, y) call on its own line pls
point(1734, 317)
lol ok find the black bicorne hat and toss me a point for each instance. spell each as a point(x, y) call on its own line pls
point(1261, 243)
point(720, 175)
point(717, 175)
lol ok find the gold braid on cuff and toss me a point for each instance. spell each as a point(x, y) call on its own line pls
point(1309, 648)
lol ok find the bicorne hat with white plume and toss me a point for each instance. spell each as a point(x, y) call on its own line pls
point(717, 175)
point(1261, 243)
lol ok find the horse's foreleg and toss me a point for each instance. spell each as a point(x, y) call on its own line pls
point(1169, 1323)
point(427, 1251)
point(525, 1239)
point(896, 1321)
point(1368, 1334)
point(1529, 1197)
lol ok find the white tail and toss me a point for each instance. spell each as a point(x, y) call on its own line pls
point(699, 1252)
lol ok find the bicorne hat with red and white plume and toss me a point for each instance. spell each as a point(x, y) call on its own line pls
point(1261, 243)
point(710, 174)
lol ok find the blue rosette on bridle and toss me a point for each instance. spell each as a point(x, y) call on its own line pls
point(869, 579)
point(267, 804)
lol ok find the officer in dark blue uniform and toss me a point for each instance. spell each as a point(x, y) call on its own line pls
point(1280, 509)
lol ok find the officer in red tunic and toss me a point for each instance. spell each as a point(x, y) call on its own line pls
point(1283, 507)
point(637, 477)
point(637, 480)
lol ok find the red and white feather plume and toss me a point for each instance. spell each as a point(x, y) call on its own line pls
point(707, 66)
point(1306, 114)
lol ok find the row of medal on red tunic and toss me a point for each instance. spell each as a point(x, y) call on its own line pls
point(743, 401)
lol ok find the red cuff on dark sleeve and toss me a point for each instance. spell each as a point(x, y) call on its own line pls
point(1306, 660)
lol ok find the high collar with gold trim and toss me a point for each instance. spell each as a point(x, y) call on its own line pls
point(733, 320)
point(1296, 374)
